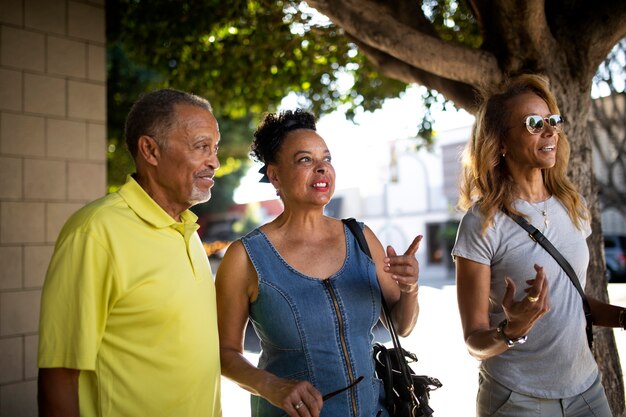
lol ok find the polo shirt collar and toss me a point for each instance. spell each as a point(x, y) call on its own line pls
point(141, 203)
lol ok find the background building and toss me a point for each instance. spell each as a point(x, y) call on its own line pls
point(422, 192)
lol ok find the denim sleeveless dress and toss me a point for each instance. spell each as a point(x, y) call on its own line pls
point(318, 330)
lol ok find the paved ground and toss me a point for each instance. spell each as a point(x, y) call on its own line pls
point(437, 340)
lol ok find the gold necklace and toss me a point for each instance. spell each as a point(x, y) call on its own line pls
point(543, 212)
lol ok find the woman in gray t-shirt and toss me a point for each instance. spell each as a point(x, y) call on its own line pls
point(521, 315)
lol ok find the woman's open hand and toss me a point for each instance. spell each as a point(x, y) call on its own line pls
point(523, 314)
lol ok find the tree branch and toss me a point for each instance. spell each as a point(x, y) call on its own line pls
point(463, 95)
point(375, 27)
point(536, 25)
point(410, 13)
point(608, 19)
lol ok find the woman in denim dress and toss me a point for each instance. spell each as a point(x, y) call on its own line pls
point(311, 294)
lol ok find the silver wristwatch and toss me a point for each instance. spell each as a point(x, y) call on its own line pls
point(503, 336)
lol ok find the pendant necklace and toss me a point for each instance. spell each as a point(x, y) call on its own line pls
point(543, 212)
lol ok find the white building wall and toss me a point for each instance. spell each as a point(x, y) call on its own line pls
point(422, 190)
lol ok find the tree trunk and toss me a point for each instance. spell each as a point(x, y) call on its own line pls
point(576, 107)
point(605, 349)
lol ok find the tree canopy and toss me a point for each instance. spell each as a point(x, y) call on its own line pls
point(245, 58)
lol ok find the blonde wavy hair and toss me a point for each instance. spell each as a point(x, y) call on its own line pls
point(486, 181)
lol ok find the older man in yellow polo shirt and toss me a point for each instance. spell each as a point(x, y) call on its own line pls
point(128, 324)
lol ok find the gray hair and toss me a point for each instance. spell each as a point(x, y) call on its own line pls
point(153, 114)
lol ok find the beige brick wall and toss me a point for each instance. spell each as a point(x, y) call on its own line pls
point(52, 161)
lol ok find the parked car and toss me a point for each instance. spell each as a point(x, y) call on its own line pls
point(615, 254)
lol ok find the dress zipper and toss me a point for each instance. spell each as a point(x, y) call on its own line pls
point(342, 339)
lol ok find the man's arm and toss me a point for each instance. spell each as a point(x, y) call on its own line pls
point(58, 392)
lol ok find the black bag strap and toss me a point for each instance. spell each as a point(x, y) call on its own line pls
point(356, 230)
point(381, 354)
point(538, 237)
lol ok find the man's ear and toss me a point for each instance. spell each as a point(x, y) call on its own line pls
point(149, 150)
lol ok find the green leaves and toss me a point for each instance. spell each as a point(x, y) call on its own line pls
point(246, 57)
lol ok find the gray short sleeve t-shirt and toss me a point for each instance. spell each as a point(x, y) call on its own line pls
point(555, 362)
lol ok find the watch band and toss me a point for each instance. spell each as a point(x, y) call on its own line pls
point(509, 342)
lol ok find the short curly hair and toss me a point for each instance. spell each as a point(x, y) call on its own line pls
point(272, 131)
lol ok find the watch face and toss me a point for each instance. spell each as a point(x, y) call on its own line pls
point(519, 340)
point(509, 342)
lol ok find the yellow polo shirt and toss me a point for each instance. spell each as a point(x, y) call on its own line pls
point(129, 300)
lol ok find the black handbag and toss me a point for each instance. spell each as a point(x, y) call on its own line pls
point(406, 394)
